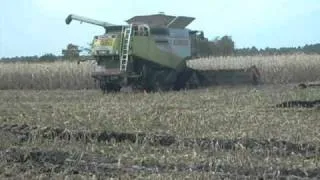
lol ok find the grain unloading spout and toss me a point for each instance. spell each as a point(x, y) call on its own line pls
point(87, 20)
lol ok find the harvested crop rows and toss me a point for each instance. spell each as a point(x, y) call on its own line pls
point(222, 132)
point(61, 161)
point(272, 146)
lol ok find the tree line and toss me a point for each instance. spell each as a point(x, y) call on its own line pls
point(72, 52)
point(307, 49)
point(223, 46)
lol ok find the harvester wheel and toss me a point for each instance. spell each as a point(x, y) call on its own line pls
point(302, 86)
point(182, 79)
point(102, 86)
point(146, 80)
point(109, 87)
point(256, 75)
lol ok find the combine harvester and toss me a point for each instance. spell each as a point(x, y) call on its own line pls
point(151, 53)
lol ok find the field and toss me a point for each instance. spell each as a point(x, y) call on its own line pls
point(73, 76)
point(216, 133)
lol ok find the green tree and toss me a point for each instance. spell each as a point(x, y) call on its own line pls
point(48, 57)
point(72, 52)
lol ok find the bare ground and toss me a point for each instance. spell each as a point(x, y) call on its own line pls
point(46, 161)
point(71, 135)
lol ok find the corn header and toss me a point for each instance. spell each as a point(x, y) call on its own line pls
point(151, 53)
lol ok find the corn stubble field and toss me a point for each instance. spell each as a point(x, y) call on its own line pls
point(73, 131)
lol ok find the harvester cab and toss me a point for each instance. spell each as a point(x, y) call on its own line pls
point(106, 44)
point(109, 43)
point(149, 52)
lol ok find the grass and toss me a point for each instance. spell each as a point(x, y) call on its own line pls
point(219, 112)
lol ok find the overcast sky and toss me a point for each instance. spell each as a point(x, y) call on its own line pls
point(35, 27)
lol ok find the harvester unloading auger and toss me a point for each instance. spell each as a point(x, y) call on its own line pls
point(151, 53)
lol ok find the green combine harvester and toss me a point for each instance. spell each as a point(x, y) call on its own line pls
point(151, 53)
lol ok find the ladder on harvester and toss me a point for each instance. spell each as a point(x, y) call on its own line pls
point(124, 55)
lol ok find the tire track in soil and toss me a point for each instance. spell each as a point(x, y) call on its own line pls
point(58, 161)
point(272, 146)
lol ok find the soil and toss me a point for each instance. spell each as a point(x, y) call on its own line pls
point(299, 103)
point(25, 132)
point(44, 161)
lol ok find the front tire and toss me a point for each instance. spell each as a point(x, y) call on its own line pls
point(109, 87)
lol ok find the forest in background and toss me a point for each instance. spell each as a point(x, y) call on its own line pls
point(220, 46)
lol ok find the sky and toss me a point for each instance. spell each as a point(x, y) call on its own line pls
point(37, 27)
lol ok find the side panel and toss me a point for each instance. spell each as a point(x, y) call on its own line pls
point(180, 42)
point(145, 48)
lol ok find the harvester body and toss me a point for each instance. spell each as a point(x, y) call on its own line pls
point(150, 52)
